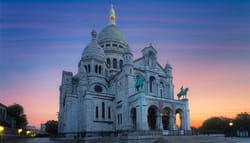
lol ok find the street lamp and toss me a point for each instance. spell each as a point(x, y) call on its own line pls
point(19, 131)
point(231, 127)
point(28, 132)
point(1, 129)
point(1, 133)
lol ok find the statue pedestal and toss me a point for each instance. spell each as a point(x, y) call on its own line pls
point(141, 114)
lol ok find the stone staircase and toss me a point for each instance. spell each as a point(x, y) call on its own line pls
point(140, 136)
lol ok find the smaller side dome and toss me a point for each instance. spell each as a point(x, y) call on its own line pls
point(93, 50)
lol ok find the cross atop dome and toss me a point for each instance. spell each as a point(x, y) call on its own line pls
point(93, 34)
point(112, 15)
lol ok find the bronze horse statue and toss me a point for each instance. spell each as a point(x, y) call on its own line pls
point(139, 83)
point(182, 93)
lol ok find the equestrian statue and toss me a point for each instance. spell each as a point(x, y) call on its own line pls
point(139, 83)
point(182, 93)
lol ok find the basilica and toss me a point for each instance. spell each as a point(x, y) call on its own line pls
point(114, 93)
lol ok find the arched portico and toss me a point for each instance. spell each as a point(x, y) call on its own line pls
point(153, 118)
point(179, 115)
point(166, 113)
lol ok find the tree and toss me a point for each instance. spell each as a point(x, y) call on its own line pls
point(242, 121)
point(215, 125)
point(17, 112)
point(51, 127)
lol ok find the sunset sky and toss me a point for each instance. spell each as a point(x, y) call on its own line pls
point(207, 43)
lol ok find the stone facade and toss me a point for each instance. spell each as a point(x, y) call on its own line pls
point(112, 92)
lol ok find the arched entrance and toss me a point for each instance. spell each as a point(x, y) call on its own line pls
point(179, 117)
point(152, 117)
point(165, 118)
point(133, 117)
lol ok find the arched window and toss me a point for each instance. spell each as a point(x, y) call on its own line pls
point(161, 89)
point(103, 110)
point(100, 69)
point(86, 68)
point(96, 112)
point(121, 118)
point(96, 69)
point(114, 63)
point(109, 113)
point(89, 69)
point(151, 83)
point(151, 59)
point(120, 64)
point(118, 119)
point(108, 62)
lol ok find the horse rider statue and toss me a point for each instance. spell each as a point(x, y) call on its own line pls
point(182, 93)
point(139, 83)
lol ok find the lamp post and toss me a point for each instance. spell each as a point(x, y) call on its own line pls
point(19, 131)
point(231, 127)
point(28, 132)
point(1, 133)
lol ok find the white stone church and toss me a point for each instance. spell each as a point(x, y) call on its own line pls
point(114, 93)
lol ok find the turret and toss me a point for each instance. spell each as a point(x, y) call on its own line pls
point(150, 56)
point(66, 86)
point(128, 61)
point(168, 70)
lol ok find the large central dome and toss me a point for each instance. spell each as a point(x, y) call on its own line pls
point(112, 33)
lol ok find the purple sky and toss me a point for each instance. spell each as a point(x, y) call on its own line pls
point(206, 42)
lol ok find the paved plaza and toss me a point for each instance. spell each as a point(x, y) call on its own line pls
point(201, 139)
point(34, 140)
point(168, 139)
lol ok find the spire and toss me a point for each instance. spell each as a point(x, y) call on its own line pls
point(93, 34)
point(112, 15)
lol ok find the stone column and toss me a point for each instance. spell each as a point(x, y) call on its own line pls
point(127, 117)
point(141, 112)
point(142, 120)
point(171, 122)
point(183, 121)
point(187, 116)
point(159, 120)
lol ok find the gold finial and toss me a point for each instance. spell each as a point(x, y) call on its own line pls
point(112, 15)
